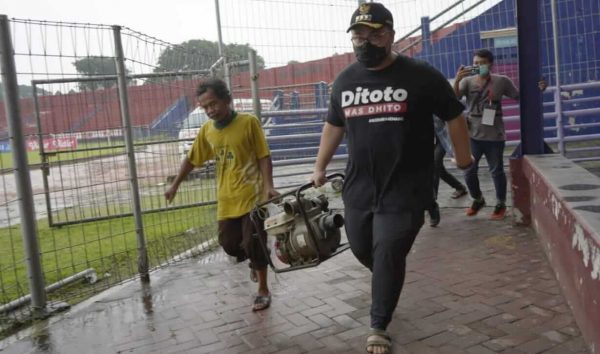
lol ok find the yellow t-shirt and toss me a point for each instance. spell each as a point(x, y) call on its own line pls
point(236, 150)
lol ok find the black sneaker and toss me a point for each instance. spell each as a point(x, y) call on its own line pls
point(434, 215)
point(476, 206)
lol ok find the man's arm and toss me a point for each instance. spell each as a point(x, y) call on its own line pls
point(185, 168)
point(459, 134)
point(265, 166)
point(510, 89)
point(330, 139)
point(513, 92)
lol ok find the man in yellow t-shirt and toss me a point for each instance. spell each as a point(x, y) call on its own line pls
point(236, 142)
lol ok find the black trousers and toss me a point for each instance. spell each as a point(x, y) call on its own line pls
point(236, 238)
point(381, 243)
point(439, 171)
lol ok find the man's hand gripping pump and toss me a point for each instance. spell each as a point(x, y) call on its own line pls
point(304, 231)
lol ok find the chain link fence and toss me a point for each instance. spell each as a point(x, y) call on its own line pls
point(314, 47)
point(75, 136)
point(99, 164)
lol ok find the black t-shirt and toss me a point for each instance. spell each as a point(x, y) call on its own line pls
point(388, 118)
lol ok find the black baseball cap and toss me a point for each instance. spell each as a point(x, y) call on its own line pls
point(372, 14)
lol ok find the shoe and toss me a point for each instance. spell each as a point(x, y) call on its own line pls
point(458, 193)
point(476, 206)
point(499, 212)
point(434, 215)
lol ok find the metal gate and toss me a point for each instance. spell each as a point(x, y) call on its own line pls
point(81, 145)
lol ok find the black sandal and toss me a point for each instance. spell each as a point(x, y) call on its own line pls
point(261, 302)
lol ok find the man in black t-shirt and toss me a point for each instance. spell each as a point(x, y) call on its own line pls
point(385, 104)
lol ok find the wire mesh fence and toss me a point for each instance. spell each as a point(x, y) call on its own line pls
point(314, 47)
point(73, 124)
point(79, 166)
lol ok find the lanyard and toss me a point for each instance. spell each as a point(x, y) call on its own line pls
point(490, 94)
point(476, 99)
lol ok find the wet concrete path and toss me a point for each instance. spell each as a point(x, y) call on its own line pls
point(473, 286)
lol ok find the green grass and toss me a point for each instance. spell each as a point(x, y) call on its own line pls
point(152, 198)
point(109, 246)
point(34, 158)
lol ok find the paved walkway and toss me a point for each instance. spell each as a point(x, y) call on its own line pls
point(473, 286)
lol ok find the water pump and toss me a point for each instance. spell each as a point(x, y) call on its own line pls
point(303, 231)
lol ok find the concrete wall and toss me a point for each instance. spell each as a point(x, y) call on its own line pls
point(562, 202)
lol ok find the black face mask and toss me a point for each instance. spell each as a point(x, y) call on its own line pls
point(370, 55)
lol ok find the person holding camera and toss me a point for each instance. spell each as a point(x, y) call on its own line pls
point(384, 104)
point(484, 92)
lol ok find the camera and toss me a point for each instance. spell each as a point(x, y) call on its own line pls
point(473, 70)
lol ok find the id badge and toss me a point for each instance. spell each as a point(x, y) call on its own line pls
point(488, 116)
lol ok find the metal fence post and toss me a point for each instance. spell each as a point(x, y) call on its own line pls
point(560, 134)
point(22, 177)
point(222, 53)
point(426, 35)
point(127, 132)
point(44, 158)
point(532, 120)
point(256, 107)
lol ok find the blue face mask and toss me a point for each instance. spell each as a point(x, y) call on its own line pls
point(484, 70)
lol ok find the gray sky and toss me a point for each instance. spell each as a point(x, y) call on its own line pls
point(174, 21)
point(280, 30)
